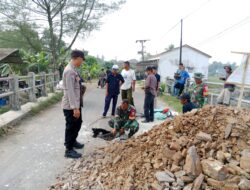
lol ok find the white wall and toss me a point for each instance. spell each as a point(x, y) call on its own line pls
point(192, 60)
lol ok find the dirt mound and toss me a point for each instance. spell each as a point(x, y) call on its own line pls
point(203, 149)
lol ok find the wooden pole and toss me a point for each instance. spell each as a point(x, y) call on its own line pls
point(243, 80)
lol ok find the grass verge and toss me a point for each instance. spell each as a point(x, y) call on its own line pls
point(46, 104)
point(173, 102)
point(4, 109)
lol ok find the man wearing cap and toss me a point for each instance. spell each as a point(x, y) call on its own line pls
point(150, 94)
point(125, 120)
point(187, 104)
point(199, 91)
point(129, 85)
point(71, 103)
point(113, 83)
point(225, 95)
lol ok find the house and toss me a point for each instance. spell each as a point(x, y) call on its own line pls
point(8, 55)
point(141, 67)
point(193, 59)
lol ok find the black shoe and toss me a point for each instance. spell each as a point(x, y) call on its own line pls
point(72, 154)
point(78, 145)
point(145, 121)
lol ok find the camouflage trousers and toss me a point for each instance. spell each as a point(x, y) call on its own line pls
point(131, 125)
point(224, 97)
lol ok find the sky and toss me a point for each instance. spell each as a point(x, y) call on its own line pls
point(153, 19)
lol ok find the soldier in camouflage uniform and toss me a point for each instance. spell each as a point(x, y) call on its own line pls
point(125, 120)
point(199, 91)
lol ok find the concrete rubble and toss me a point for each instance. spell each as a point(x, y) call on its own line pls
point(207, 149)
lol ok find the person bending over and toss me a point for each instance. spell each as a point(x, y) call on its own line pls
point(125, 120)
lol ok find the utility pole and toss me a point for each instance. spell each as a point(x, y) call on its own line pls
point(142, 47)
point(180, 61)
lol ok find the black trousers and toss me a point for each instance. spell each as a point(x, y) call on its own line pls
point(107, 104)
point(149, 106)
point(180, 86)
point(73, 126)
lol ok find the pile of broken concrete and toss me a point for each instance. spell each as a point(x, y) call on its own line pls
point(203, 149)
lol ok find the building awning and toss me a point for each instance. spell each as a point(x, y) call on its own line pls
point(8, 55)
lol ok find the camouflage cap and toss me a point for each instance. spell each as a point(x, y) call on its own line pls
point(198, 75)
point(228, 66)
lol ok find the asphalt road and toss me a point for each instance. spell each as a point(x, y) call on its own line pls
point(32, 157)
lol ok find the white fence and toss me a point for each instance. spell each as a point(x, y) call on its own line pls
point(33, 85)
point(214, 90)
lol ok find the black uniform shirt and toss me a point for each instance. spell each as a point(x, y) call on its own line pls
point(113, 82)
point(188, 107)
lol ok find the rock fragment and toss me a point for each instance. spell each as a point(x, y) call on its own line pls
point(245, 160)
point(214, 169)
point(244, 184)
point(204, 136)
point(197, 182)
point(163, 177)
point(192, 164)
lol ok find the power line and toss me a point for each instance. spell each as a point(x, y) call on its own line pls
point(185, 17)
point(173, 27)
point(227, 30)
point(197, 9)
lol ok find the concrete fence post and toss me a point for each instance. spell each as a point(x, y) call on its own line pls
point(57, 77)
point(14, 98)
point(52, 83)
point(212, 99)
point(43, 82)
point(32, 84)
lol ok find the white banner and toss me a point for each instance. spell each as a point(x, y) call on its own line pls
point(237, 75)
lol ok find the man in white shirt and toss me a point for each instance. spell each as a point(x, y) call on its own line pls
point(128, 86)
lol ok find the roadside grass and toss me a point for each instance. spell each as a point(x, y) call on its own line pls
point(140, 83)
point(214, 79)
point(4, 109)
point(46, 104)
point(214, 87)
point(173, 102)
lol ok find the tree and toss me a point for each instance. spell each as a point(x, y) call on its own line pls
point(62, 18)
point(45, 40)
point(37, 63)
point(147, 56)
point(15, 39)
point(170, 47)
point(217, 68)
point(108, 64)
point(5, 70)
point(91, 66)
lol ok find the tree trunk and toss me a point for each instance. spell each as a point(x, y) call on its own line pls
point(53, 43)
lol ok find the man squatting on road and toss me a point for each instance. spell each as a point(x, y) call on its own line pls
point(72, 102)
point(125, 120)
